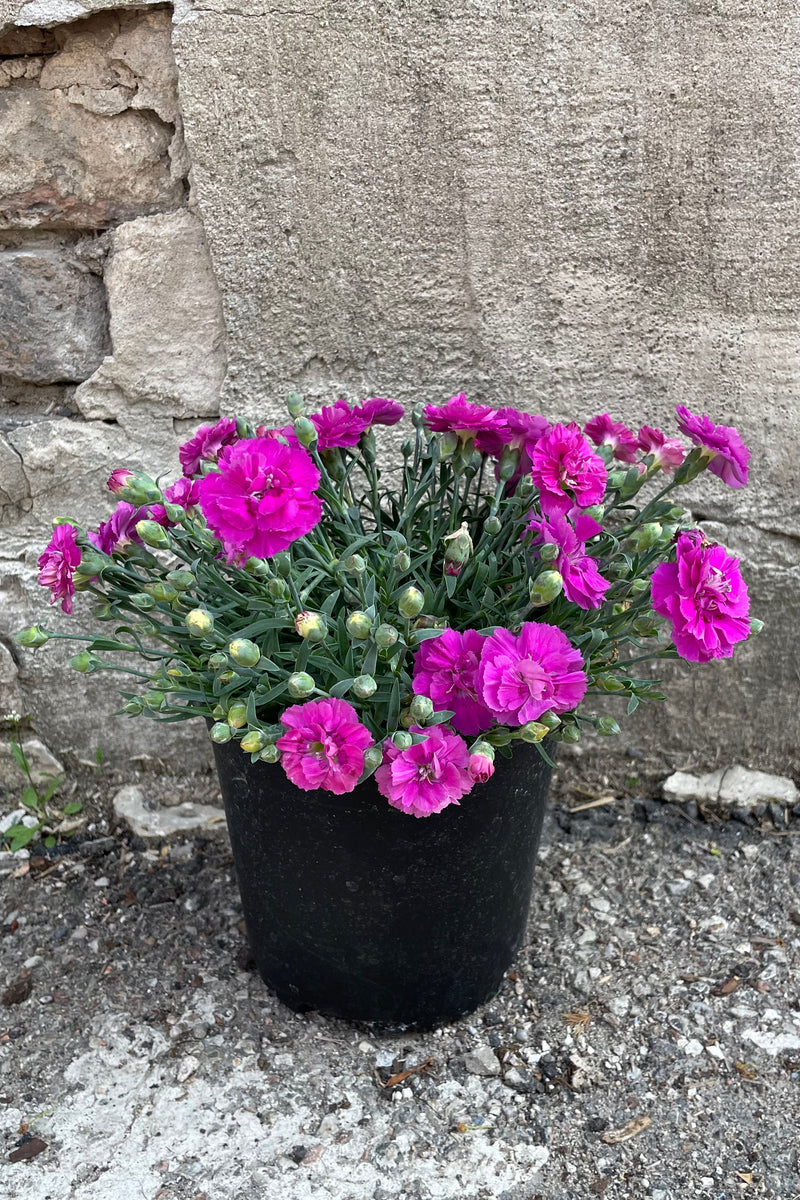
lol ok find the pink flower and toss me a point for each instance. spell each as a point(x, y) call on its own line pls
point(705, 598)
point(445, 669)
point(324, 745)
point(460, 417)
point(667, 453)
point(206, 444)
point(185, 492)
point(379, 411)
point(605, 432)
point(262, 497)
point(566, 470)
point(583, 583)
point(119, 529)
point(118, 479)
point(339, 425)
point(521, 677)
point(730, 455)
point(513, 428)
point(427, 776)
point(481, 765)
point(58, 564)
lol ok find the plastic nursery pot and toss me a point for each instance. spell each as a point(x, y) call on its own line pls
point(363, 912)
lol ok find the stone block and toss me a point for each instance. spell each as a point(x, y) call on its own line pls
point(53, 317)
point(62, 166)
point(167, 330)
point(151, 821)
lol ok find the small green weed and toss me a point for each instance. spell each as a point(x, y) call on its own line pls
point(36, 803)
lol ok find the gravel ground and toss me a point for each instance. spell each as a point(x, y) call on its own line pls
point(646, 1043)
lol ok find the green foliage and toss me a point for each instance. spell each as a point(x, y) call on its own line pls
point(36, 802)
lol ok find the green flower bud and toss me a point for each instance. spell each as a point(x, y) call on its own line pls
point(301, 684)
point(607, 727)
point(545, 588)
point(421, 709)
point(134, 707)
point(402, 561)
point(524, 487)
point(354, 564)
point(406, 719)
point(163, 592)
point(295, 405)
point(153, 534)
point(481, 747)
point(458, 550)
point(501, 736)
point(373, 757)
point(199, 623)
point(270, 754)
point(218, 661)
point(609, 683)
point(180, 671)
point(647, 535)
point(176, 513)
point(386, 636)
point(283, 563)
point(154, 700)
point(448, 444)
point(358, 625)
point(102, 611)
point(81, 662)
point(142, 601)
point(226, 677)
point(311, 626)
point(755, 626)
point(218, 711)
point(305, 431)
point(140, 490)
point(32, 637)
point(244, 652)
point(93, 562)
point(509, 462)
point(237, 715)
point(334, 464)
point(550, 719)
point(696, 461)
point(616, 479)
point(548, 551)
point(570, 734)
point(181, 580)
point(533, 731)
point(257, 567)
point(220, 733)
point(364, 686)
point(410, 602)
point(402, 740)
point(254, 741)
point(278, 589)
point(619, 609)
point(639, 587)
point(595, 511)
point(367, 444)
point(407, 448)
point(493, 525)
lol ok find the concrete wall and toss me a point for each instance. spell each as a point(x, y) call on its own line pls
point(569, 207)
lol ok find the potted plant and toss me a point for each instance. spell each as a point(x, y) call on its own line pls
point(370, 647)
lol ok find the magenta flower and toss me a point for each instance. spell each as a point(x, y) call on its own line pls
point(513, 428)
point(324, 745)
point(119, 529)
point(427, 776)
point(339, 425)
point(667, 453)
point(583, 583)
point(58, 564)
point(185, 492)
point(605, 432)
point(445, 669)
point(118, 479)
point(521, 677)
point(262, 497)
point(566, 470)
point(704, 596)
point(481, 766)
point(460, 417)
point(379, 411)
point(730, 455)
point(206, 444)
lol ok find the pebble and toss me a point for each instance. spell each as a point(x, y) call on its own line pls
point(677, 887)
point(600, 904)
point(186, 1067)
point(102, 882)
point(706, 881)
point(482, 1061)
point(693, 1048)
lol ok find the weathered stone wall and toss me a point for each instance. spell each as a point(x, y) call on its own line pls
point(564, 206)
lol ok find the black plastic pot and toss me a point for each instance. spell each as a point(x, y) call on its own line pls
point(360, 911)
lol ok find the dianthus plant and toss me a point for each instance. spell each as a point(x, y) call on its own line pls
point(512, 570)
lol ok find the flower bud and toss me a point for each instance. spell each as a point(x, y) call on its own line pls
point(386, 636)
point(570, 734)
point(138, 489)
point(152, 534)
point(220, 733)
point(218, 661)
point(501, 736)
point(609, 683)
point(402, 561)
point(364, 686)
point(421, 709)
point(244, 652)
point(548, 551)
point(257, 567)
point(142, 601)
point(595, 511)
point(545, 588)
point(175, 513)
point(755, 626)
point(607, 727)
point(32, 637)
point(550, 719)
point(254, 741)
point(311, 626)
point(118, 479)
point(181, 580)
point(616, 479)
point(133, 707)
point(509, 463)
point(301, 684)
point(305, 431)
point(481, 762)
point(283, 563)
point(162, 592)
point(154, 700)
point(81, 662)
point(354, 564)
point(407, 448)
point(373, 757)
point(410, 602)
point(533, 731)
point(295, 405)
point(218, 711)
point(93, 562)
point(647, 535)
point(458, 550)
point(402, 740)
point(270, 754)
point(493, 525)
point(237, 715)
point(448, 443)
point(367, 444)
point(696, 461)
point(358, 625)
point(199, 623)
point(334, 464)
point(278, 589)
point(525, 486)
